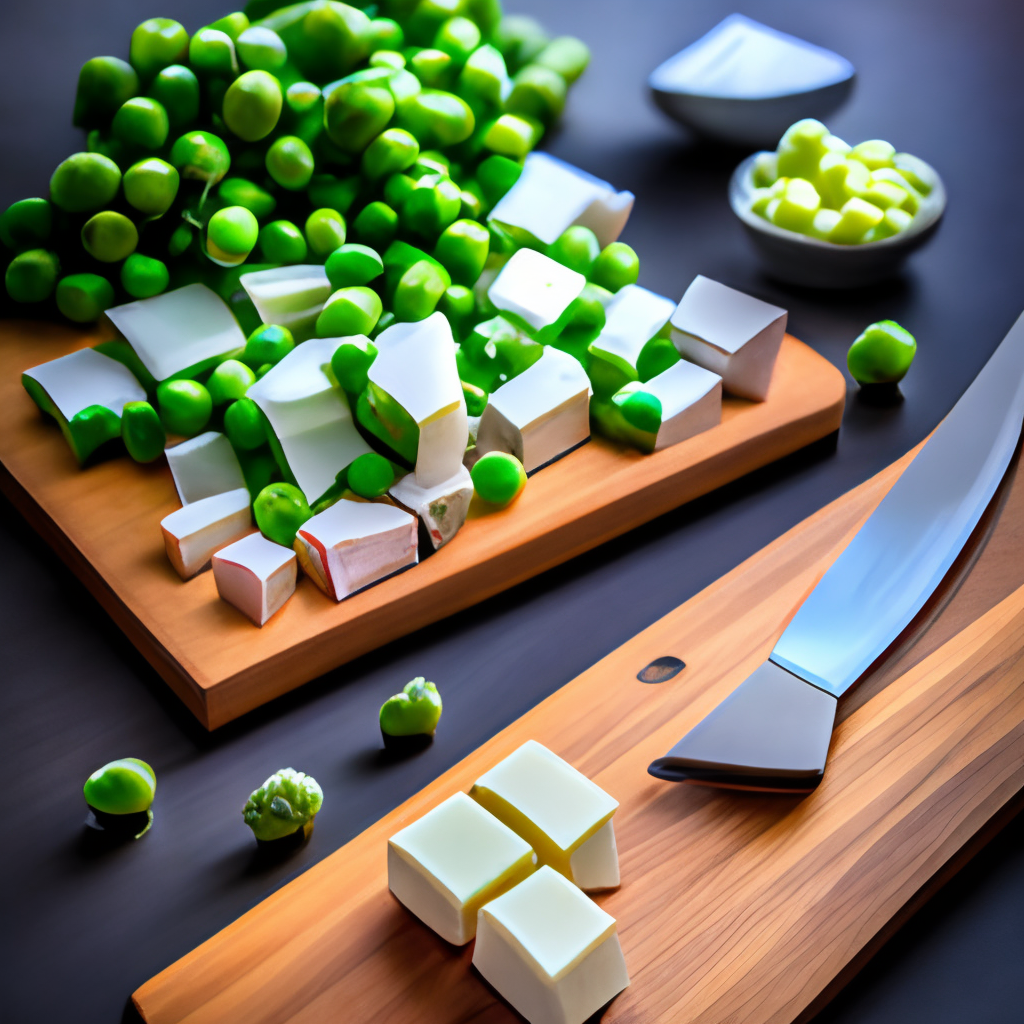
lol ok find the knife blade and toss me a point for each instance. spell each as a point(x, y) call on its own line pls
point(772, 733)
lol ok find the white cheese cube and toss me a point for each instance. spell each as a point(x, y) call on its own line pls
point(352, 544)
point(184, 328)
point(632, 318)
point(256, 575)
point(540, 414)
point(291, 297)
point(310, 416)
point(564, 816)
point(535, 291)
point(84, 378)
point(204, 465)
point(416, 366)
point(730, 333)
point(195, 532)
point(550, 950)
point(452, 861)
point(441, 508)
point(552, 195)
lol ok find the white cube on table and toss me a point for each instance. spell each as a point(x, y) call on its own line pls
point(442, 508)
point(291, 297)
point(203, 466)
point(256, 575)
point(535, 291)
point(452, 861)
point(730, 333)
point(632, 318)
point(194, 532)
point(550, 950)
point(564, 816)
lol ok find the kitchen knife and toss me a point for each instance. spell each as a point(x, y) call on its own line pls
point(772, 733)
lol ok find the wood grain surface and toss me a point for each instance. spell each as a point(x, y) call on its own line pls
point(734, 908)
point(104, 523)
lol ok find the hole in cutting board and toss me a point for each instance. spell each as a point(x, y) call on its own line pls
point(661, 669)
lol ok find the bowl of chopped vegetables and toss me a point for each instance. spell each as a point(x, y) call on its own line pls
point(824, 214)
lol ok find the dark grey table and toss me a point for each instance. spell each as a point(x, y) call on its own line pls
point(940, 78)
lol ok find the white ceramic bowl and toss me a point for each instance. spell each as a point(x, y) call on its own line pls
point(800, 259)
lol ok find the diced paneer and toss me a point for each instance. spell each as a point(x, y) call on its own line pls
point(535, 292)
point(203, 466)
point(541, 414)
point(442, 508)
point(291, 297)
point(255, 575)
point(353, 544)
point(730, 333)
point(194, 532)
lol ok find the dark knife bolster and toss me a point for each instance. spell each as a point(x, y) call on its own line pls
point(771, 734)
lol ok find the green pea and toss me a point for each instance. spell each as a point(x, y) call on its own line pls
point(229, 381)
point(476, 399)
point(261, 49)
point(142, 432)
point(325, 231)
point(566, 55)
point(282, 242)
point(325, 191)
point(177, 88)
point(201, 155)
point(126, 786)
point(351, 363)
point(462, 249)
point(484, 76)
point(280, 510)
point(185, 406)
point(141, 122)
point(397, 189)
point(243, 423)
point(84, 182)
point(537, 92)
point(511, 135)
point(157, 43)
point(431, 161)
point(151, 186)
point(458, 37)
point(104, 83)
point(212, 53)
point(241, 192)
point(302, 97)
point(882, 354)
point(616, 266)
point(84, 297)
point(474, 206)
point(268, 344)
point(26, 224)
point(486, 13)
point(385, 34)
point(576, 248)
point(370, 475)
point(419, 290)
point(328, 42)
point(496, 175)
point(349, 311)
point(232, 25)
point(521, 39)
point(290, 162)
point(252, 105)
point(356, 112)
point(353, 264)
point(433, 67)
point(458, 305)
point(415, 711)
point(180, 239)
point(109, 236)
point(433, 204)
point(498, 478)
point(387, 59)
point(392, 151)
point(376, 225)
point(32, 275)
point(437, 118)
point(142, 277)
point(231, 235)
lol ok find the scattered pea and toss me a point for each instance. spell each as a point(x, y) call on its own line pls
point(282, 242)
point(290, 163)
point(109, 237)
point(349, 311)
point(83, 297)
point(882, 354)
point(243, 424)
point(231, 235)
point(157, 43)
point(142, 432)
point(32, 275)
point(26, 224)
point(151, 185)
point(142, 277)
point(370, 475)
point(252, 105)
point(498, 478)
point(376, 225)
point(125, 786)
point(615, 267)
point(268, 344)
point(84, 182)
point(104, 83)
point(353, 264)
point(229, 381)
point(177, 89)
point(325, 231)
point(351, 363)
point(212, 53)
point(280, 509)
point(576, 248)
point(242, 192)
point(201, 155)
point(185, 406)
point(141, 122)
point(392, 151)
point(415, 712)
point(261, 49)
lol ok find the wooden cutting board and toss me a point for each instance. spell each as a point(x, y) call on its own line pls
point(104, 523)
point(734, 908)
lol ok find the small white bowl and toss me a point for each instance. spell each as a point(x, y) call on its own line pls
point(800, 259)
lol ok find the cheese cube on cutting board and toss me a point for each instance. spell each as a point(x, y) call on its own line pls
point(632, 318)
point(352, 544)
point(535, 292)
point(564, 816)
point(291, 297)
point(87, 377)
point(550, 950)
point(730, 333)
point(452, 861)
point(442, 508)
point(195, 531)
point(204, 465)
point(551, 195)
point(542, 413)
point(256, 575)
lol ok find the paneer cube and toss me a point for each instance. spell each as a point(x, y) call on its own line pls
point(536, 293)
point(452, 861)
point(204, 465)
point(442, 508)
point(353, 544)
point(291, 297)
point(255, 575)
point(730, 333)
point(194, 532)
point(564, 816)
point(539, 415)
point(550, 950)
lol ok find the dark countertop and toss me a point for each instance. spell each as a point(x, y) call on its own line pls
point(942, 79)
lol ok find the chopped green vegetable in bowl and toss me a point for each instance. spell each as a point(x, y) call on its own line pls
point(285, 804)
